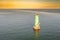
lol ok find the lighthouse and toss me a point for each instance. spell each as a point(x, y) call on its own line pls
point(36, 26)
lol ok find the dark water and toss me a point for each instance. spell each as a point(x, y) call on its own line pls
point(17, 25)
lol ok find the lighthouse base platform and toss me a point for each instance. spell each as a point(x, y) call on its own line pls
point(35, 28)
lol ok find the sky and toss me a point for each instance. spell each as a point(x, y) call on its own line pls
point(29, 4)
point(29, 0)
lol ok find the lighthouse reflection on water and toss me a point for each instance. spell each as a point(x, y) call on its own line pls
point(36, 35)
point(36, 27)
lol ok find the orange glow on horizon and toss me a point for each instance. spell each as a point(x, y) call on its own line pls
point(29, 5)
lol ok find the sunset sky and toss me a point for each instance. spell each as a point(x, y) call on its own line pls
point(29, 4)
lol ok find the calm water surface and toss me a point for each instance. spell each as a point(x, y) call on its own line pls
point(17, 25)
